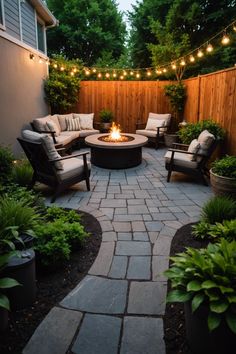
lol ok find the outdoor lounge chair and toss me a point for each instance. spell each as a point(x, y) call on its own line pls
point(192, 159)
point(49, 167)
point(156, 126)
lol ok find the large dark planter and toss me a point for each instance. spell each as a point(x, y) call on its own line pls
point(28, 241)
point(22, 269)
point(223, 185)
point(3, 319)
point(200, 340)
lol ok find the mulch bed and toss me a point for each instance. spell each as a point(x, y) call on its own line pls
point(174, 321)
point(52, 288)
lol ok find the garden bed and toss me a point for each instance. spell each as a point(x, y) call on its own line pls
point(52, 288)
point(174, 321)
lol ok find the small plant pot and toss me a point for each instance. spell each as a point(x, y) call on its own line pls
point(170, 139)
point(3, 319)
point(28, 242)
point(200, 339)
point(22, 269)
point(223, 185)
point(105, 127)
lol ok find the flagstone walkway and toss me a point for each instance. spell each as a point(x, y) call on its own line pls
point(119, 306)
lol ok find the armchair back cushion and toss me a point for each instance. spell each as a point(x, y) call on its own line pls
point(193, 148)
point(153, 124)
point(62, 120)
point(205, 140)
point(160, 116)
point(34, 137)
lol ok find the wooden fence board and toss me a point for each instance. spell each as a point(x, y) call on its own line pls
point(212, 95)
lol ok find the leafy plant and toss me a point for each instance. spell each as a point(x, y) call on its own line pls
point(219, 208)
point(226, 229)
point(207, 277)
point(55, 213)
point(201, 230)
point(106, 116)
point(225, 167)
point(6, 159)
point(192, 130)
point(16, 217)
point(177, 95)
point(22, 173)
point(6, 283)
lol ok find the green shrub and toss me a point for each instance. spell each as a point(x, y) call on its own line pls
point(192, 130)
point(56, 239)
point(226, 229)
point(207, 276)
point(106, 116)
point(54, 213)
point(218, 209)
point(6, 160)
point(225, 167)
point(201, 230)
point(22, 173)
point(177, 95)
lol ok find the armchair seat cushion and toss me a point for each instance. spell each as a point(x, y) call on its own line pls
point(87, 132)
point(181, 159)
point(148, 133)
point(71, 168)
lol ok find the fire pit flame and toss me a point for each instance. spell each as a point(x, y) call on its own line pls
point(115, 132)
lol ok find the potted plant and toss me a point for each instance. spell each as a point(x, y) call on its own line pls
point(177, 95)
point(223, 176)
point(204, 280)
point(5, 283)
point(106, 117)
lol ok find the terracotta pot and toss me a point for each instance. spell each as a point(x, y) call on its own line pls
point(3, 319)
point(200, 340)
point(170, 139)
point(223, 185)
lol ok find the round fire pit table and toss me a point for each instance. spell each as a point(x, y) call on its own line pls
point(116, 155)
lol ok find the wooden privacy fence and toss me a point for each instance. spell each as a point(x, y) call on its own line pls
point(208, 96)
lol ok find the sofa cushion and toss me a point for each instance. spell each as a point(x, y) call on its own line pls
point(53, 127)
point(84, 133)
point(71, 168)
point(86, 121)
point(73, 134)
point(153, 124)
point(181, 159)
point(40, 124)
point(205, 140)
point(51, 151)
point(34, 137)
point(148, 133)
point(72, 123)
point(64, 139)
point(62, 120)
point(193, 148)
point(55, 120)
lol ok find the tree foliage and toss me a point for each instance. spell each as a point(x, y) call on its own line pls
point(87, 29)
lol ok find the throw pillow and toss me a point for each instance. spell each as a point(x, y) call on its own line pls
point(40, 124)
point(158, 116)
point(205, 140)
point(51, 151)
point(62, 120)
point(53, 128)
point(193, 148)
point(86, 121)
point(153, 124)
point(72, 124)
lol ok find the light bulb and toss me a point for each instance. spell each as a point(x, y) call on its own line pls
point(131, 73)
point(62, 68)
point(74, 70)
point(114, 75)
point(55, 66)
point(122, 77)
point(138, 76)
point(125, 73)
point(72, 73)
point(225, 40)
point(107, 75)
point(149, 73)
point(200, 54)
point(87, 72)
point(182, 62)
point(173, 66)
point(234, 27)
point(99, 75)
point(191, 59)
point(209, 48)
point(164, 70)
point(94, 70)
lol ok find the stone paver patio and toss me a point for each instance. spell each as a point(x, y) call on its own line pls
point(119, 306)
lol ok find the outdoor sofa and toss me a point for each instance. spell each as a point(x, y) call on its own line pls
point(66, 129)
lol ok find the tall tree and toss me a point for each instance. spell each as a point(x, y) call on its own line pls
point(87, 28)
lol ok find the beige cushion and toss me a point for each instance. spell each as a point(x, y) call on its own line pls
point(148, 133)
point(40, 124)
point(72, 123)
point(62, 120)
point(71, 167)
point(52, 127)
point(64, 139)
point(193, 148)
point(84, 133)
point(181, 159)
point(50, 150)
point(166, 117)
point(73, 135)
point(86, 121)
point(205, 140)
point(153, 124)
point(55, 120)
point(34, 137)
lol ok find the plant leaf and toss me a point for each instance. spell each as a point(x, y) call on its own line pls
point(231, 321)
point(208, 284)
point(4, 302)
point(219, 306)
point(194, 285)
point(213, 321)
point(6, 283)
point(178, 296)
point(197, 300)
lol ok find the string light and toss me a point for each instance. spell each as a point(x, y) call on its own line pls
point(182, 63)
point(200, 53)
point(74, 70)
point(114, 75)
point(99, 75)
point(72, 73)
point(87, 72)
point(173, 66)
point(191, 59)
point(62, 68)
point(164, 70)
point(225, 40)
point(107, 75)
point(149, 73)
point(94, 70)
point(122, 77)
point(55, 66)
point(125, 73)
point(209, 48)
point(40, 61)
point(131, 73)
point(137, 75)
point(234, 27)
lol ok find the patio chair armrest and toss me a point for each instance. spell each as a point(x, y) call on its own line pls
point(70, 156)
point(175, 145)
point(186, 152)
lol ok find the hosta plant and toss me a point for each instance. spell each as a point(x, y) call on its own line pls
point(207, 277)
point(226, 229)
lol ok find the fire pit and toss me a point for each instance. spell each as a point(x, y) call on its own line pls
point(116, 150)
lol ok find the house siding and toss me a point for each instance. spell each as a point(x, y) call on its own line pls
point(12, 18)
point(28, 24)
